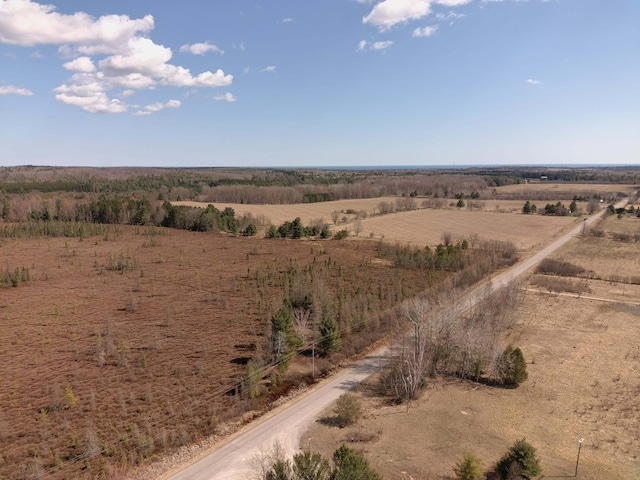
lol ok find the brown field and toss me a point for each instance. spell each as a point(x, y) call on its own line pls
point(308, 212)
point(127, 342)
point(583, 359)
point(562, 191)
point(425, 227)
point(419, 227)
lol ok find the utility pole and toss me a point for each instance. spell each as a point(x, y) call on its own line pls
point(313, 359)
point(578, 459)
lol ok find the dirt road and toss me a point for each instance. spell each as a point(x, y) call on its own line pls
point(234, 459)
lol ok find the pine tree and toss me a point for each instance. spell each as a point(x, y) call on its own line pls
point(521, 457)
point(469, 468)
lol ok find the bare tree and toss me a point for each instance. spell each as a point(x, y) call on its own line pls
point(301, 317)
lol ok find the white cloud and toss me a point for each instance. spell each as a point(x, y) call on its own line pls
point(226, 97)
point(381, 45)
point(246, 70)
point(26, 23)
point(131, 60)
point(452, 3)
point(389, 13)
point(157, 107)
point(35, 55)
point(201, 48)
point(270, 68)
point(531, 81)
point(127, 93)
point(451, 15)
point(239, 46)
point(364, 45)
point(425, 31)
point(288, 20)
point(80, 64)
point(13, 90)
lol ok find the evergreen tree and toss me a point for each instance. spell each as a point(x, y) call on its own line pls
point(521, 458)
point(310, 466)
point(329, 336)
point(352, 466)
point(469, 468)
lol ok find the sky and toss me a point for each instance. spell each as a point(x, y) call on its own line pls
point(333, 83)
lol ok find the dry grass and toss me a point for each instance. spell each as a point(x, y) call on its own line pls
point(582, 355)
point(419, 227)
point(566, 188)
point(308, 212)
point(425, 227)
point(149, 349)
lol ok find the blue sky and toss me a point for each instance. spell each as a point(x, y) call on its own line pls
point(319, 82)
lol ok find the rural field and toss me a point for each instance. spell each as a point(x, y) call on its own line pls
point(134, 340)
point(123, 339)
point(581, 339)
point(425, 226)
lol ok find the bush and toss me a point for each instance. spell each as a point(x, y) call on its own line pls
point(341, 234)
point(558, 267)
point(347, 410)
point(521, 459)
point(469, 468)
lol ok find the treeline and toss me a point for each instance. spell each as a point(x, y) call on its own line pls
point(67, 218)
point(296, 229)
point(471, 263)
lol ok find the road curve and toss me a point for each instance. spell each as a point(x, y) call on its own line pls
point(234, 460)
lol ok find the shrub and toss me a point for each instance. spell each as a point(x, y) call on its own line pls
point(558, 267)
point(347, 410)
point(520, 459)
point(469, 468)
point(341, 234)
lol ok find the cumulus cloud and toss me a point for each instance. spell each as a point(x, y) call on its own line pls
point(362, 45)
point(389, 13)
point(26, 23)
point(288, 20)
point(425, 31)
point(13, 90)
point(157, 107)
point(270, 68)
point(531, 81)
point(80, 64)
point(130, 59)
point(226, 97)
point(201, 48)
